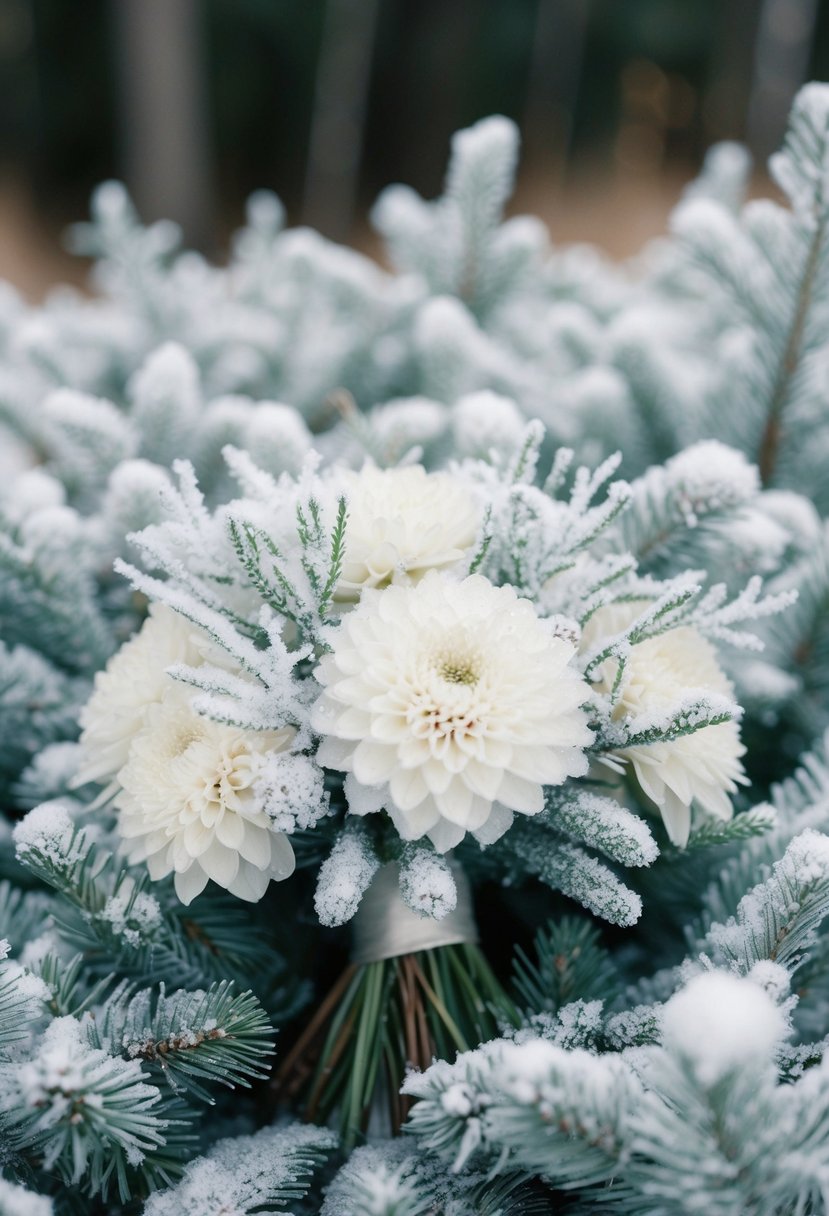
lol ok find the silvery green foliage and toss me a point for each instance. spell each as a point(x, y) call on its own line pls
point(125, 1018)
point(396, 1178)
point(703, 1114)
point(253, 1173)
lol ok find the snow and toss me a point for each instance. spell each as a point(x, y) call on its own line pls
point(720, 1024)
point(243, 1174)
point(407, 422)
point(28, 987)
point(52, 770)
point(47, 830)
point(31, 491)
point(291, 790)
point(277, 437)
point(136, 923)
point(772, 978)
point(486, 424)
point(427, 884)
point(344, 878)
point(710, 476)
point(17, 1201)
point(808, 854)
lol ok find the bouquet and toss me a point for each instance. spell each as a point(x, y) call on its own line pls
point(430, 776)
point(403, 675)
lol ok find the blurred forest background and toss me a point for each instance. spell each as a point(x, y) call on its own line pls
point(195, 103)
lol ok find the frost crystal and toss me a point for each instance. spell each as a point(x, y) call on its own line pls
point(245, 1173)
point(344, 878)
point(427, 884)
point(291, 789)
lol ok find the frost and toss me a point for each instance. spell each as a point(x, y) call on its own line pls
point(48, 832)
point(5, 949)
point(277, 437)
point(485, 425)
point(708, 477)
point(245, 1173)
point(291, 789)
point(577, 1024)
point(405, 424)
point(772, 978)
point(344, 878)
point(720, 1024)
point(133, 497)
point(427, 883)
point(70, 1084)
point(86, 436)
point(33, 490)
point(133, 917)
point(603, 824)
point(51, 772)
point(166, 400)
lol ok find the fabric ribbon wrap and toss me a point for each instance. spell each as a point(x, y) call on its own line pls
point(386, 927)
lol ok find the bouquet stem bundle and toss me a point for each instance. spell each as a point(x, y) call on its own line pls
point(385, 1016)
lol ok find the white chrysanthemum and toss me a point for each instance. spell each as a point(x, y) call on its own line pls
point(703, 766)
point(134, 680)
point(401, 523)
point(188, 805)
point(450, 704)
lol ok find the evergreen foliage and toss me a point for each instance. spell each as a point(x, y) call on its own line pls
point(643, 449)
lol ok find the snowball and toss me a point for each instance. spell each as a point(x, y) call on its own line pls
point(720, 1023)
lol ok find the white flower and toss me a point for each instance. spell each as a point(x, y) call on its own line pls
point(134, 680)
point(188, 805)
point(703, 766)
point(401, 523)
point(451, 704)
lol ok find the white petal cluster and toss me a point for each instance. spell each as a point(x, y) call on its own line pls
point(186, 787)
point(134, 679)
point(451, 705)
point(703, 766)
point(188, 803)
point(401, 523)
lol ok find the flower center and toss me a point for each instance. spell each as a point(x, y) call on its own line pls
point(458, 668)
point(459, 673)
